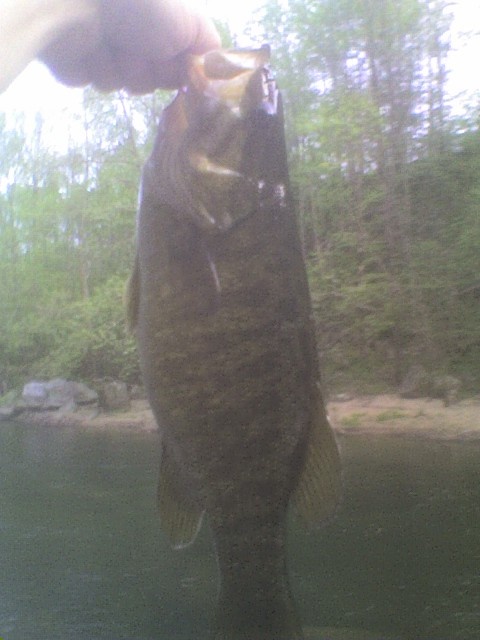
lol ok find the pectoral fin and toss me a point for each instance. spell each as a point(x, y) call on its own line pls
point(319, 490)
point(180, 517)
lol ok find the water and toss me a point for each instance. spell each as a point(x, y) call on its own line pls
point(82, 556)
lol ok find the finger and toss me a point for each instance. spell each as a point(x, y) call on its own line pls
point(140, 46)
point(136, 74)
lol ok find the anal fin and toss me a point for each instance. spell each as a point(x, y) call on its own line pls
point(180, 517)
point(320, 487)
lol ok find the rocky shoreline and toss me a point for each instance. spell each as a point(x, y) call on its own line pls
point(64, 403)
point(138, 417)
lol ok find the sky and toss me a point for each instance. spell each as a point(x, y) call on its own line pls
point(35, 89)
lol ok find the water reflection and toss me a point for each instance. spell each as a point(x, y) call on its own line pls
point(83, 556)
point(400, 556)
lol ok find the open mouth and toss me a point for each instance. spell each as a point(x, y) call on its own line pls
point(239, 79)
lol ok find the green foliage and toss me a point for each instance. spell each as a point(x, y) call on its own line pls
point(387, 192)
point(390, 414)
point(67, 227)
point(353, 420)
point(9, 398)
point(92, 340)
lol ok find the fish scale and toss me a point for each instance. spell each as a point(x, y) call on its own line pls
point(221, 306)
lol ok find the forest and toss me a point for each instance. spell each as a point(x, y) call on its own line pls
point(385, 177)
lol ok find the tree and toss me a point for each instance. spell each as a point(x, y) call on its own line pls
point(385, 180)
point(67, 227)
point(369, 104)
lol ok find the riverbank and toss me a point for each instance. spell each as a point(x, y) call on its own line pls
point(138, 418)
point(381, 414)
point(421, 417)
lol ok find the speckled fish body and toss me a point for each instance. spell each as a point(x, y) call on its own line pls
point(220, 301)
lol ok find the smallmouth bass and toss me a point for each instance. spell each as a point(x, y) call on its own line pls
point(221, 306)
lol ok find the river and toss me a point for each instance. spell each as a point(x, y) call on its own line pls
point(83, 558)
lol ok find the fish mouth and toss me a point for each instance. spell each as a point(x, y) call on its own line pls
point(240, 79)
point(217, 131)
point(227, 91)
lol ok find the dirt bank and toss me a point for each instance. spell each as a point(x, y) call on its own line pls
point(382, 414)
point(422, 417)
point(138, 418)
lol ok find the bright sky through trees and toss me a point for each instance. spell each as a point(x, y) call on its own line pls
point(35, 89)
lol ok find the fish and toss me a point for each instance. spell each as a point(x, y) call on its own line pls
point(220, 304)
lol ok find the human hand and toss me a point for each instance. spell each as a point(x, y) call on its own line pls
point(139, 45)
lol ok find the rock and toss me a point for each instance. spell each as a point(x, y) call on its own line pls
point(57, 393)
point(11, 411)
point(114, 396)
point(446, 388)
point(34, 394)
point(137, 392)
point(417, 383)
point(83, 395)
point(342, 397)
